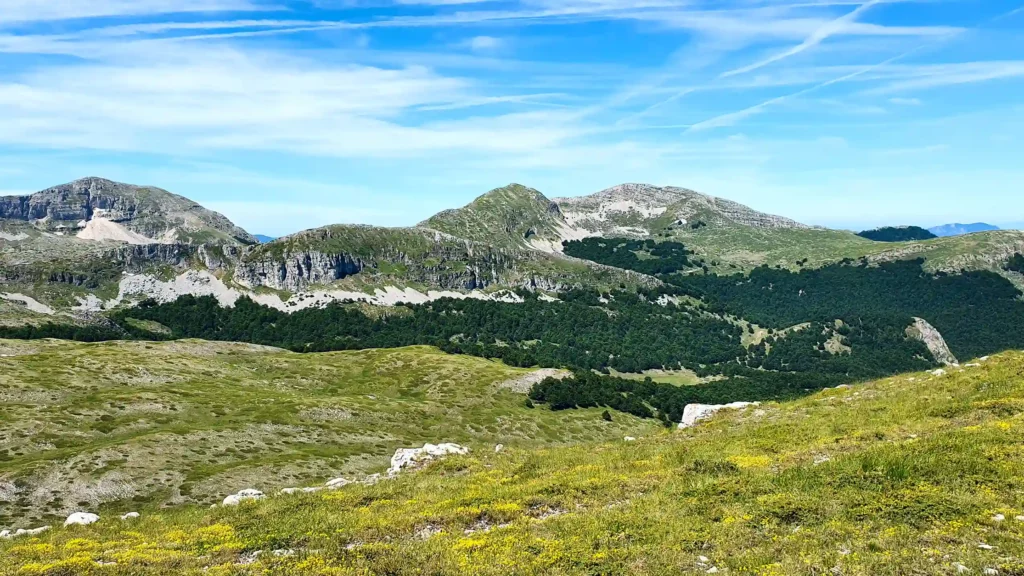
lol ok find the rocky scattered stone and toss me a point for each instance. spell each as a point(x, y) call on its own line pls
point(337, 483)
point(283, 553)
point(427, 532)
point(246, 495)
point(694, 413)
point(247, 558)
point(130, 516)
point(81, 519)
point(629, 439)
point(409, 457)
point(998, 518)
point(499, 448)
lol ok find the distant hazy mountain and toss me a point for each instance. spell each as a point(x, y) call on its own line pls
point(263, 238)
point(961, 229)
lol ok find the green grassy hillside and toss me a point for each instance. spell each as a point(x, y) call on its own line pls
point(745, 247)
point(126, 425)
point(509, 216)
point(916, 474)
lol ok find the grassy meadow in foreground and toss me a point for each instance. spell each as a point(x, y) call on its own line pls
point(123, 426)
point(916, 474)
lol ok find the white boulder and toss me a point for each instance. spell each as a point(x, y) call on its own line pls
point(130, 516)
point(243, 496)
point(337, 483)
point(408, 457)
point(5, 534)
point(499, 448)
point(629, 439)
point(81, 519)
point(32, 532)
point(694, 413)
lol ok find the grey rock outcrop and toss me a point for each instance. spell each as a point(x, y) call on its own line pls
point(621, 208)
point(150, 212)
point(933, 339)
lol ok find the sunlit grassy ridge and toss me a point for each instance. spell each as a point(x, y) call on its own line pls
point(907, 475)
point(120, 426)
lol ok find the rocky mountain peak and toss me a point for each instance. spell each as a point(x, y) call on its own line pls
point(636, 209)
point(511, 216)
point(95, 208)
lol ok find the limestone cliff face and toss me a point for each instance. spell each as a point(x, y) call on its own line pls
point(399, 255)
point(149, 212)
point(444, 267)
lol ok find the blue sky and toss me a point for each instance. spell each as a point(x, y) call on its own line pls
point(287, 114)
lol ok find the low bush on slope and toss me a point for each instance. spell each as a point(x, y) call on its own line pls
point(915, 474)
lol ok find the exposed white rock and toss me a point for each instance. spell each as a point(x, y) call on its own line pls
point(5, 534)
point(31, 303)
point(961, 569)
point(499, 448)
point(408, 457)
point(972, 365)
point(13, 237)
point(246, 495)
point(998, 518)
point(990, 572)
point(337, 483)
point(283, 553)
point(939, 372)
point(522, 384)
point(694, 413)
point(104, 229)
point(629, 439)
point(130, 516)
point(984, 546)
point(203, 283)
point(90, 303)
point(31, 531)
point(81, 519)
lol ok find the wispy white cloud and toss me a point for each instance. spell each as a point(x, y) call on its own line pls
point(819, 35)
point(22, 11)
point(934, 76)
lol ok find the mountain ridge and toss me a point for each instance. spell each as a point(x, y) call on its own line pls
point(508, 237)
point(99, 209)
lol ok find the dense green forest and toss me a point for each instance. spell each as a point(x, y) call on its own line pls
point(897, 234)
point(626, 332)
point(649, 399)
point(645, 256)
point(827, 326)
point(977, 312)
